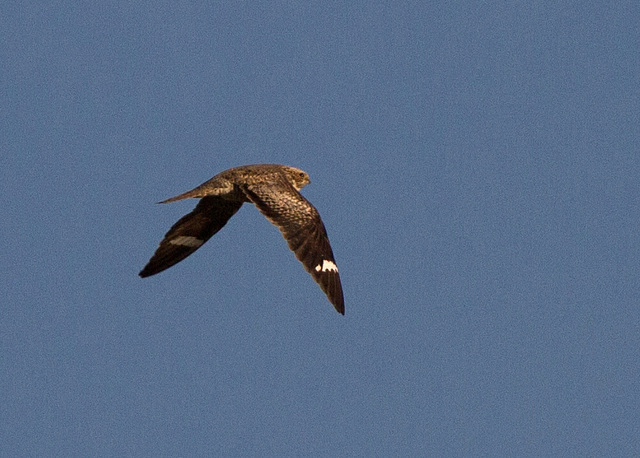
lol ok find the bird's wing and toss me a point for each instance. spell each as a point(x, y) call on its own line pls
point(190, 232)
point(303, 230)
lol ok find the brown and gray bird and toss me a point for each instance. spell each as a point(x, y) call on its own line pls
point(274, 190)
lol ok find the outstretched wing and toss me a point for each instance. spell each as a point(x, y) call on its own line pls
point(190, 232)
point(303, 230)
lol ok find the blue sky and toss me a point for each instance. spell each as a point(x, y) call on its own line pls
point(477, 167)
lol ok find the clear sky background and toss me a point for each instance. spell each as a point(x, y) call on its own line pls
point(476, 164)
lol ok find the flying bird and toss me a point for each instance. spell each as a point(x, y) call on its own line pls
point(274, 190)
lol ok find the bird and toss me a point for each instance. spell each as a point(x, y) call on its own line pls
point(274, 190)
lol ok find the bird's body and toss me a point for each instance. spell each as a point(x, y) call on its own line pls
point(274, 190)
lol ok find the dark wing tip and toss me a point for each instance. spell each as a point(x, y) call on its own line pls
point(144, 273)
point(153, 268)
point(333, 290)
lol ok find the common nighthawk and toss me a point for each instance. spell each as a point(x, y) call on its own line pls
point(274, 190)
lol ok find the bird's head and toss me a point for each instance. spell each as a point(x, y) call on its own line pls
point(299, 178)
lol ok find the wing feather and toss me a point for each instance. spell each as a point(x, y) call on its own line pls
point(303, 229)
point(191, 232)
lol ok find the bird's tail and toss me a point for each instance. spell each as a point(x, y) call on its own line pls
point(208, 188)
point(197, 192)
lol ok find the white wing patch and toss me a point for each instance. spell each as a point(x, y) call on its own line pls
point(186, 240)
point(326, 266)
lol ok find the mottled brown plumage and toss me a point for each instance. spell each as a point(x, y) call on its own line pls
point(274, 190)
